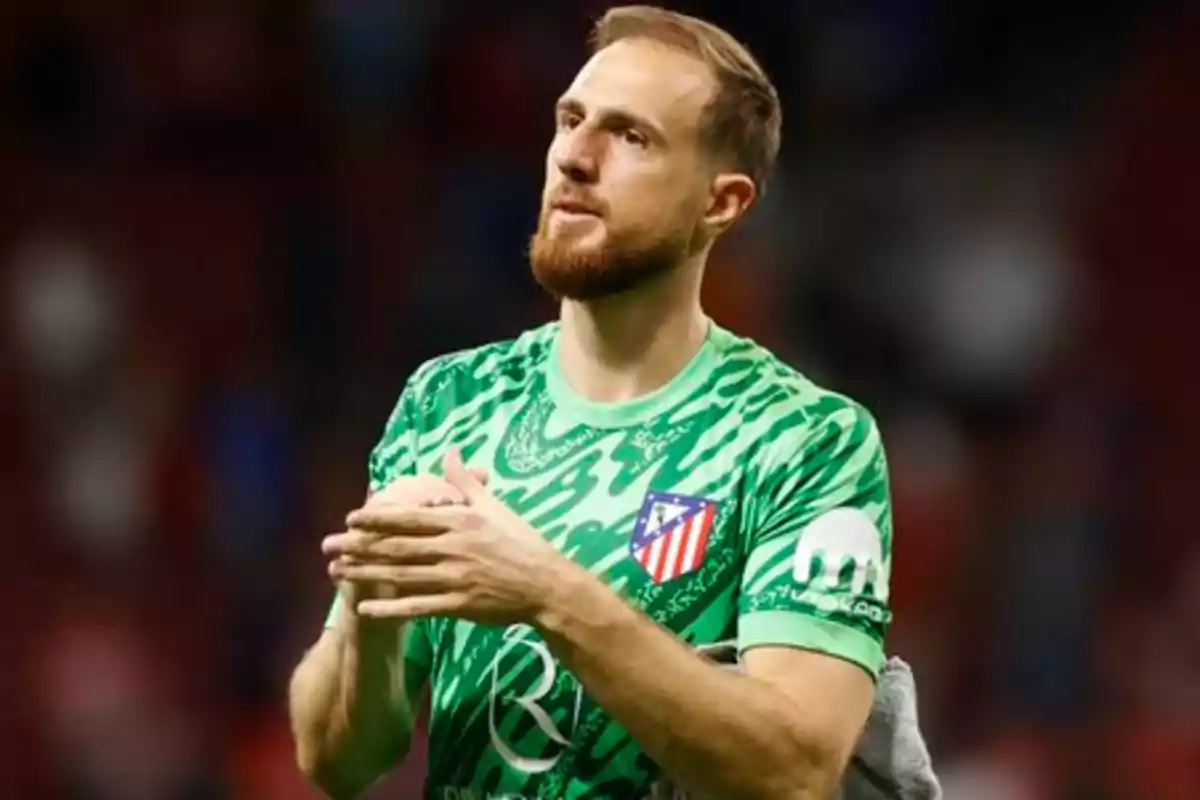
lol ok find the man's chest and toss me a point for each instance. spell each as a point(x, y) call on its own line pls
point(656, 512)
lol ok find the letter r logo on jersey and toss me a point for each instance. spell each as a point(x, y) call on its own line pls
point(534, 703)
point(671, 535)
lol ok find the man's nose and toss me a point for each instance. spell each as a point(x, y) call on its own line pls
point(576, 157)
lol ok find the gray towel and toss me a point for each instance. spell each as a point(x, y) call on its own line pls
point(891, 761)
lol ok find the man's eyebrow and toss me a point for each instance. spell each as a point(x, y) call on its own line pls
point(569, 105)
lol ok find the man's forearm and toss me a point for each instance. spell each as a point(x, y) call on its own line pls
point(714, 731)
point(350, 717)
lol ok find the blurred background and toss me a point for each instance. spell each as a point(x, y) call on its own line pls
point(229, 229)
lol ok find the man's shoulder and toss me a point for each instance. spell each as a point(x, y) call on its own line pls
point(443, 388)
point(475, 368)
point(778, 401)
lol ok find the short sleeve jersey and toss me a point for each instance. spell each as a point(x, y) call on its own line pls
point(740, 500)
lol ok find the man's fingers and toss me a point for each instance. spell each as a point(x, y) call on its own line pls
point(465, 480)
point(417, 490)
point(421, 605)
point(349, 543)
point(399, 520)
point(420, 579)
point(373, 547)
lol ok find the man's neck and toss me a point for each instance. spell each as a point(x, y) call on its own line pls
point(628, 345)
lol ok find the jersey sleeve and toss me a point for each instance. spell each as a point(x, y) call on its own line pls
point(396, 452)
point(819, 540)
point(394, 455)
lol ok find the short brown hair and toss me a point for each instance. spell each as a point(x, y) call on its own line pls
point(743, 120)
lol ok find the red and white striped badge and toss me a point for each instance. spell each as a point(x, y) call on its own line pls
point(671, 536)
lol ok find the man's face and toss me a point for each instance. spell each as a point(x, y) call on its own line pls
point(627, 182)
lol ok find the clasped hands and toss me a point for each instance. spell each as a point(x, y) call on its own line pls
point(433, 547)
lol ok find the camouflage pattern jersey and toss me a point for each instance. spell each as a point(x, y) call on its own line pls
point(739, 500)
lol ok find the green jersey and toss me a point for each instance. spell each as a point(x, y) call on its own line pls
point(740, 500)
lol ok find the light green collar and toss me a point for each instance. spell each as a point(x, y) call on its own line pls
point(625, 413)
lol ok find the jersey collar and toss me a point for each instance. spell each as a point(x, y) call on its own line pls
point(637, 410)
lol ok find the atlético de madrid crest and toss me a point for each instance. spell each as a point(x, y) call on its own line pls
point(671, 535)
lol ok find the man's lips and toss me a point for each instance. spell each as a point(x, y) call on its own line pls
point(575, 207)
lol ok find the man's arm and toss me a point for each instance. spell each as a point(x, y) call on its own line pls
point(784, 730)
point(350, 712)
point(812, 613)
point(351, 698)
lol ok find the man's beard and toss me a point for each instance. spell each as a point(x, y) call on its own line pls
point(618, 266)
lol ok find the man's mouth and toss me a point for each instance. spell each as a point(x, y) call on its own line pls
point(575, 208)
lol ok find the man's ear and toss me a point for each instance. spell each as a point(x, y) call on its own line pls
point(730, 198)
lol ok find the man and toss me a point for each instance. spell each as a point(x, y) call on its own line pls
point(652, 482)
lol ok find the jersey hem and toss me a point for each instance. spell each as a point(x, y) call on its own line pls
point(793, 629)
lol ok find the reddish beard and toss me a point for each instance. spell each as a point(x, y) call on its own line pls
point(616, 266)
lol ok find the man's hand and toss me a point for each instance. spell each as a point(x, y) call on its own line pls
point(415, 491)
point(352, 699)
point(478, 561)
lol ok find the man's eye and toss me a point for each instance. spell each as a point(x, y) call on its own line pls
point(569, 121)
point(634, 137)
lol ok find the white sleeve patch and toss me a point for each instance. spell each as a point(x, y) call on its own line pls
point(835, 537)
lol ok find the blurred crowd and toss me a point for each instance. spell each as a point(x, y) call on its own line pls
point(230, 229)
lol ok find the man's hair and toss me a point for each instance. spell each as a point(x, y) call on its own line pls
point(741, 124)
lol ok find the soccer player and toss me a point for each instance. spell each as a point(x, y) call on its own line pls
point(653, 482)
